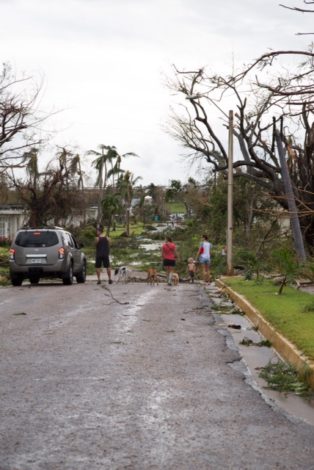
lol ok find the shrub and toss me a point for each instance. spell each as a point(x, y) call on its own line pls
point(251, 263)
point(4, 257)
point(86, 235)
point(285, 261)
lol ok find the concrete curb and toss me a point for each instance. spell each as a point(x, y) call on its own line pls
point(284, 347)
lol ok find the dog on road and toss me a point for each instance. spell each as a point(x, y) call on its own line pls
point(152, 277)
point(175, 279)
point(122, 274)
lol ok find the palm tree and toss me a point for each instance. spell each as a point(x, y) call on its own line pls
point(76, 169)
point(70, 164)
point(106, 154)
point(101, 165)
point(32, 171)
point(111, 205)
point(125, 186)
point(116, 170)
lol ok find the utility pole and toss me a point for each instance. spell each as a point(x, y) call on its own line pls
point(230, 197)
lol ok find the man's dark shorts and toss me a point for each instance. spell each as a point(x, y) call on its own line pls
point(102, 261)
point(169, 262)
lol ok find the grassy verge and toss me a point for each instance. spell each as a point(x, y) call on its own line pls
point(292, 313)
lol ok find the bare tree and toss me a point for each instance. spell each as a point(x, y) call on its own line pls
point(18, 124)
point(53, 194)
point(284, 101)
point(301, 10)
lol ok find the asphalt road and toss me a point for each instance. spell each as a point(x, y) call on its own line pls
point(135, 377)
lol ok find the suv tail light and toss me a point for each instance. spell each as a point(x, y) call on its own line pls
point(61, 253)
point(12, 254)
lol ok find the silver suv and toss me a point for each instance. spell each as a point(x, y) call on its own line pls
point(46, 252)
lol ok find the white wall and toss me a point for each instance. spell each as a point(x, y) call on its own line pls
point(11, 219)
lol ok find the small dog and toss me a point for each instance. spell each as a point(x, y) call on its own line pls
point(152, 278)
point(122, 273)
point(175, 279)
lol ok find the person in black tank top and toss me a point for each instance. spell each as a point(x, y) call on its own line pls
point(102, 246)
point(102, 255)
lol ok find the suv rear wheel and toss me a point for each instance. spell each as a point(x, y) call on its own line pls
point(16, 279)
point(81, 276)
point(68, 276)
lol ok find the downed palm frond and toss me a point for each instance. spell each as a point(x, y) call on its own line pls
point(283, 377)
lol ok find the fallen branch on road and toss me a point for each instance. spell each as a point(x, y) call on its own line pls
point(113, 298)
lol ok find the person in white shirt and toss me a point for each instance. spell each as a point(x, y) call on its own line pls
point(203, 255)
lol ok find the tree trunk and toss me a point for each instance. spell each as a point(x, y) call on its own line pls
point(128, 221)
point(293, 211)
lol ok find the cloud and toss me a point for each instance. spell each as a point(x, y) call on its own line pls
point(104, 62)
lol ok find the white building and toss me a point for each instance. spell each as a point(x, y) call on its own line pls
point(12, 217)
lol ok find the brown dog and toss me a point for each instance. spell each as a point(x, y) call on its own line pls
point(152, 278)
point(175, 279)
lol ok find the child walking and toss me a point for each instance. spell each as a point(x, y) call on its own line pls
point(191, 269)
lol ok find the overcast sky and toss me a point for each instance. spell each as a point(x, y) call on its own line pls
point(104, 63)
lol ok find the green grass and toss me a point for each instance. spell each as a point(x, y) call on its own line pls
point(290, 313)
point(175, 207)
point(135, 230)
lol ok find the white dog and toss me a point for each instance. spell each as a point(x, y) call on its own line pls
point(122, 274)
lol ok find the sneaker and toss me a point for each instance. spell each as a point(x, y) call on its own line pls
point(98, 282)
point(110, 281)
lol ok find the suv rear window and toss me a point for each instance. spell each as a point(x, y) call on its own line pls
point(40, 238)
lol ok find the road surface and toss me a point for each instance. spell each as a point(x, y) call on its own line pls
point(132, 377)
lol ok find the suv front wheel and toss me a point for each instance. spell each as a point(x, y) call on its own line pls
point(68, 276)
